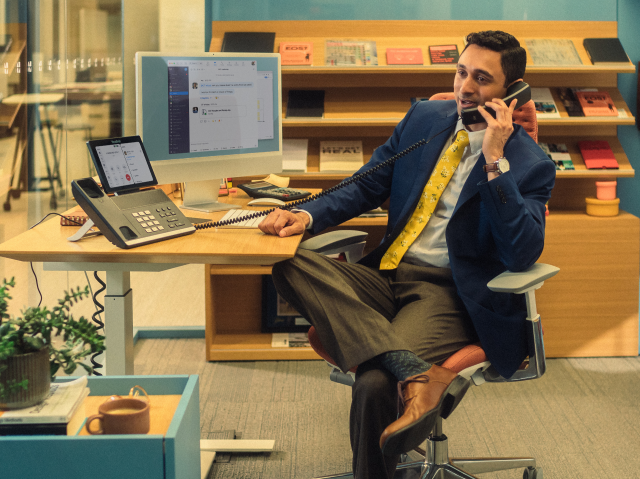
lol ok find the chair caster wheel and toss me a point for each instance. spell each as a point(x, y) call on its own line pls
point(7, 206)
point(532, 473)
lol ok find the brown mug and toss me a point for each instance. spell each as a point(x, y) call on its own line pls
point(128, 415)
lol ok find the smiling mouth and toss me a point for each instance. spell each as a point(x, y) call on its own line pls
point(464, 104)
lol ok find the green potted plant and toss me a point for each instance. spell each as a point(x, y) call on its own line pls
point(30, 354)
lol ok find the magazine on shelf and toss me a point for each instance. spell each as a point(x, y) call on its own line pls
point(404, 56)
point(544, 103)
point(296, 53)
point(552, 51)
point(443, 54)
point(559, 154)
point(596, 103)
point(343, 155)
point(350, 53)
point(606, 51)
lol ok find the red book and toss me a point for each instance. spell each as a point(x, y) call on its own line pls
point(596, 103)
point(444, 54)
point(597, 154)
point(404, 56)
point(295, 53)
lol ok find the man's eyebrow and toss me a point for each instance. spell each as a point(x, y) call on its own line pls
point(479, 71)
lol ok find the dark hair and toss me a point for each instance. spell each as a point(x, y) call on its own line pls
point(513, 57)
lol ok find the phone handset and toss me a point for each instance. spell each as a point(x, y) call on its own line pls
point(520, 91)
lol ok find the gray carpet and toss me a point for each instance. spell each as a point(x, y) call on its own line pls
point(581, 420)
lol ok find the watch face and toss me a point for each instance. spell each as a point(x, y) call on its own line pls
point(503, 165)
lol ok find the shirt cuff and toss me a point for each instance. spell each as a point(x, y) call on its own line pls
point(310, 225)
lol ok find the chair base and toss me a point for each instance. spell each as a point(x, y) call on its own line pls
point(438, 465)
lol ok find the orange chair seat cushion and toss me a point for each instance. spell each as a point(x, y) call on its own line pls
point(468, 356)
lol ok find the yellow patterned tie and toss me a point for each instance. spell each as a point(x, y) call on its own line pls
point(439, 180)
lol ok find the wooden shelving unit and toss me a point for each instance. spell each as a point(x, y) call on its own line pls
point(598, 257)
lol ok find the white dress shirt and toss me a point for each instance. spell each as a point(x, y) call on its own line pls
point(430, 247)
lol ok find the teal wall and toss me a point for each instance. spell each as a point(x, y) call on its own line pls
point(589, 10)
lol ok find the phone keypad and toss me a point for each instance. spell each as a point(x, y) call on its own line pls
point(164, 218)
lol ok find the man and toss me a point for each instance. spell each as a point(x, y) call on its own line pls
point(457, 217)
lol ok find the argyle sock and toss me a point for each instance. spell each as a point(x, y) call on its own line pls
point(402, 364)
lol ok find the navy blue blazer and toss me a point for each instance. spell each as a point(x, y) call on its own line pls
point(496, 225)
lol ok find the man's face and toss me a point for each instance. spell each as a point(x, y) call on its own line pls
point(479, 78)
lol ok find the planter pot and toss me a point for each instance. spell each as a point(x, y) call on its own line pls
point(31, 366)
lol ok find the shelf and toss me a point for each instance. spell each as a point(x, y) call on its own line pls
point(252, 347)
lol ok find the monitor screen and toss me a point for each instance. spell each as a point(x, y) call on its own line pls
point(208, 116)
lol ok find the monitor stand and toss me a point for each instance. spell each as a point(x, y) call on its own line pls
point(203, 196)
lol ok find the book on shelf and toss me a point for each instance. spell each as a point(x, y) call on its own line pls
point(248, 42)
point(57, 408)
point(404, 56)
point(552, 51)
point(597, 154)
point(296, 53)
point(559, 154)
point(305, 103)
point(544, 103)
point(443, 54)
point(350, 53)
point(606, 51)
point(294, 154)
point(341, 155)
point(70, 428)
point(596, 103)
point(570, 102)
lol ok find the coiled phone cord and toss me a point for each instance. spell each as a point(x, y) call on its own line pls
point(96, 319)
point(347, 182)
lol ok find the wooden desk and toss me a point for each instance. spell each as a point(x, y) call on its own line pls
point(48, 243)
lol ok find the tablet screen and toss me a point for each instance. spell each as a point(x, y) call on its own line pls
point(122, 164)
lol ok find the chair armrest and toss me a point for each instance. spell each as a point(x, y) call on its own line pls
point(523, 281)
point(332, 240)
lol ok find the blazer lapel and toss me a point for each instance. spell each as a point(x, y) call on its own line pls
point(470, 187)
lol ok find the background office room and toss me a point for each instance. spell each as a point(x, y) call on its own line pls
point(196, 317)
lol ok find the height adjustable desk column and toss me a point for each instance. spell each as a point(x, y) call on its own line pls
point(47, 243)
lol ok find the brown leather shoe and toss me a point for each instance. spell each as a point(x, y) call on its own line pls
point(425, 396)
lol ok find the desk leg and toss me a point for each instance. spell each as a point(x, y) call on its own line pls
point(118, 313)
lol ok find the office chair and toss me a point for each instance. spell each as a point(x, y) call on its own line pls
point(471, 361)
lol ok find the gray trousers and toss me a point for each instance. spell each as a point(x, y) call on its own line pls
point(359, 313)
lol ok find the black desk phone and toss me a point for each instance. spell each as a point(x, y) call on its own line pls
point(262, 189)
point(520, 91)
point(132, 217)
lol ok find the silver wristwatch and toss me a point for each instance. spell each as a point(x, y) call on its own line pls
point(501, 165)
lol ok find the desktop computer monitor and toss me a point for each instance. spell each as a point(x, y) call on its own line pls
point(209, 116)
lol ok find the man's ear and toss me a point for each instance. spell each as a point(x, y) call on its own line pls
point(514, 82)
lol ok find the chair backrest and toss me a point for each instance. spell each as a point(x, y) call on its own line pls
point(524, 116)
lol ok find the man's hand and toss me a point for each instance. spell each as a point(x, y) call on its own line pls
point(284, 223)
point(499, 129)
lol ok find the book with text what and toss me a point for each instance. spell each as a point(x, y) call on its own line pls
point(544, 103)
point(552, 51)
point(350, 53)
point(404, 56)
point(444, 54)
point(559, 154)
point(341, 155)
point(58, 407)
point(606, 51)
point(597, 154)
point(294, 53)
point(596, 103)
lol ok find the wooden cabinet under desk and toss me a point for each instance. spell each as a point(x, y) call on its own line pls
point(589, 309)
